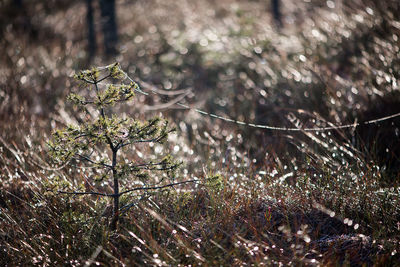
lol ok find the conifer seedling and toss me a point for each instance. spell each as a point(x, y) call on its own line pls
point(98, 142)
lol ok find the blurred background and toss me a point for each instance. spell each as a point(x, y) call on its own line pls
point(257, 61)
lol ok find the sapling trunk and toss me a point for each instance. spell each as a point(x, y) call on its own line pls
point(115, 214)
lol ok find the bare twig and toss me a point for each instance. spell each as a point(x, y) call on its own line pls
point(127, 191)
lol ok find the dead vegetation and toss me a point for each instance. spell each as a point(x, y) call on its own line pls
point(294, 198)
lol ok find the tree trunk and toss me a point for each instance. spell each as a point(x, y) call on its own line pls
point(109, 24)
point(276, 11)
point(91, 30)
point(18, 3)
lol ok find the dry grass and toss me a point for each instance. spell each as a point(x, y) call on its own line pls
point(321, 198)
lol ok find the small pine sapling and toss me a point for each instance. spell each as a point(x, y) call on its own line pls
point(98, 141)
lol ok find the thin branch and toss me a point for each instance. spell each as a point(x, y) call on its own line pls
point(147, 164)
point(94, 162)
point(62, 165)
point(87, 81)
point(157, 187)
point(84, 135)
point(155, 168)
point(86, 193)
point(141, 141)
point(153, 123)
point(102, 79)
